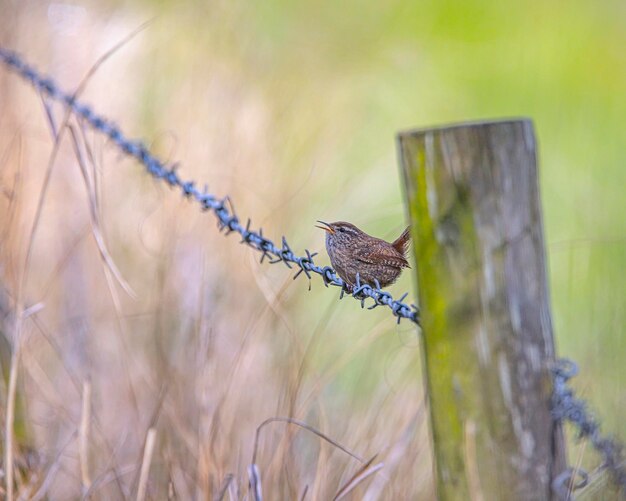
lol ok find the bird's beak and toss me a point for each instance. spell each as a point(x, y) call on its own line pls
point(327, 227)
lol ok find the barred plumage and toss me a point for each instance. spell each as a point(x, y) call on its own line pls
point(352, 252)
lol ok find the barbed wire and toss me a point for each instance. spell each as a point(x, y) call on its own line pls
point(228, 221)
point(567, 407)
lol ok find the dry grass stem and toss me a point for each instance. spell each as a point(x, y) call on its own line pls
point(145, 464)
point(10, 419)
point(95, 217)
point(363, 473)
point(301, 424)
point(256, 488)
point(85, 421)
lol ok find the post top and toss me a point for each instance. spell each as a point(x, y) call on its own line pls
point(469, 124)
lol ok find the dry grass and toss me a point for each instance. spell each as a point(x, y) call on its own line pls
point(144, 349)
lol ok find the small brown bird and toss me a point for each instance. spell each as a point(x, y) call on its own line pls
point(353, 251)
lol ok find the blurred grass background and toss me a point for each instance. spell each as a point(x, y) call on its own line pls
point(291, 109)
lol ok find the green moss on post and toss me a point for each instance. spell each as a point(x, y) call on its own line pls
point(476, 220)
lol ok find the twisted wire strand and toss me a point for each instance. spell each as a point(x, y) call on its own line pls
point(567, 407)
point(227, 219)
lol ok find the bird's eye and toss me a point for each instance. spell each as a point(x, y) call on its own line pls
point(342, 230)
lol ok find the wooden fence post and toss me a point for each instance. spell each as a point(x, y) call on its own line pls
point(475, 213)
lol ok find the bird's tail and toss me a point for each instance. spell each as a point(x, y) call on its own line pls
point(402, 242)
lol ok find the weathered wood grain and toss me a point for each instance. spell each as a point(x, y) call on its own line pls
point(474, 205)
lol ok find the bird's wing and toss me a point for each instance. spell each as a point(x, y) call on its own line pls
point(385, 255)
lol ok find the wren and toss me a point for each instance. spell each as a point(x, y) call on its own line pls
point(353, 251)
